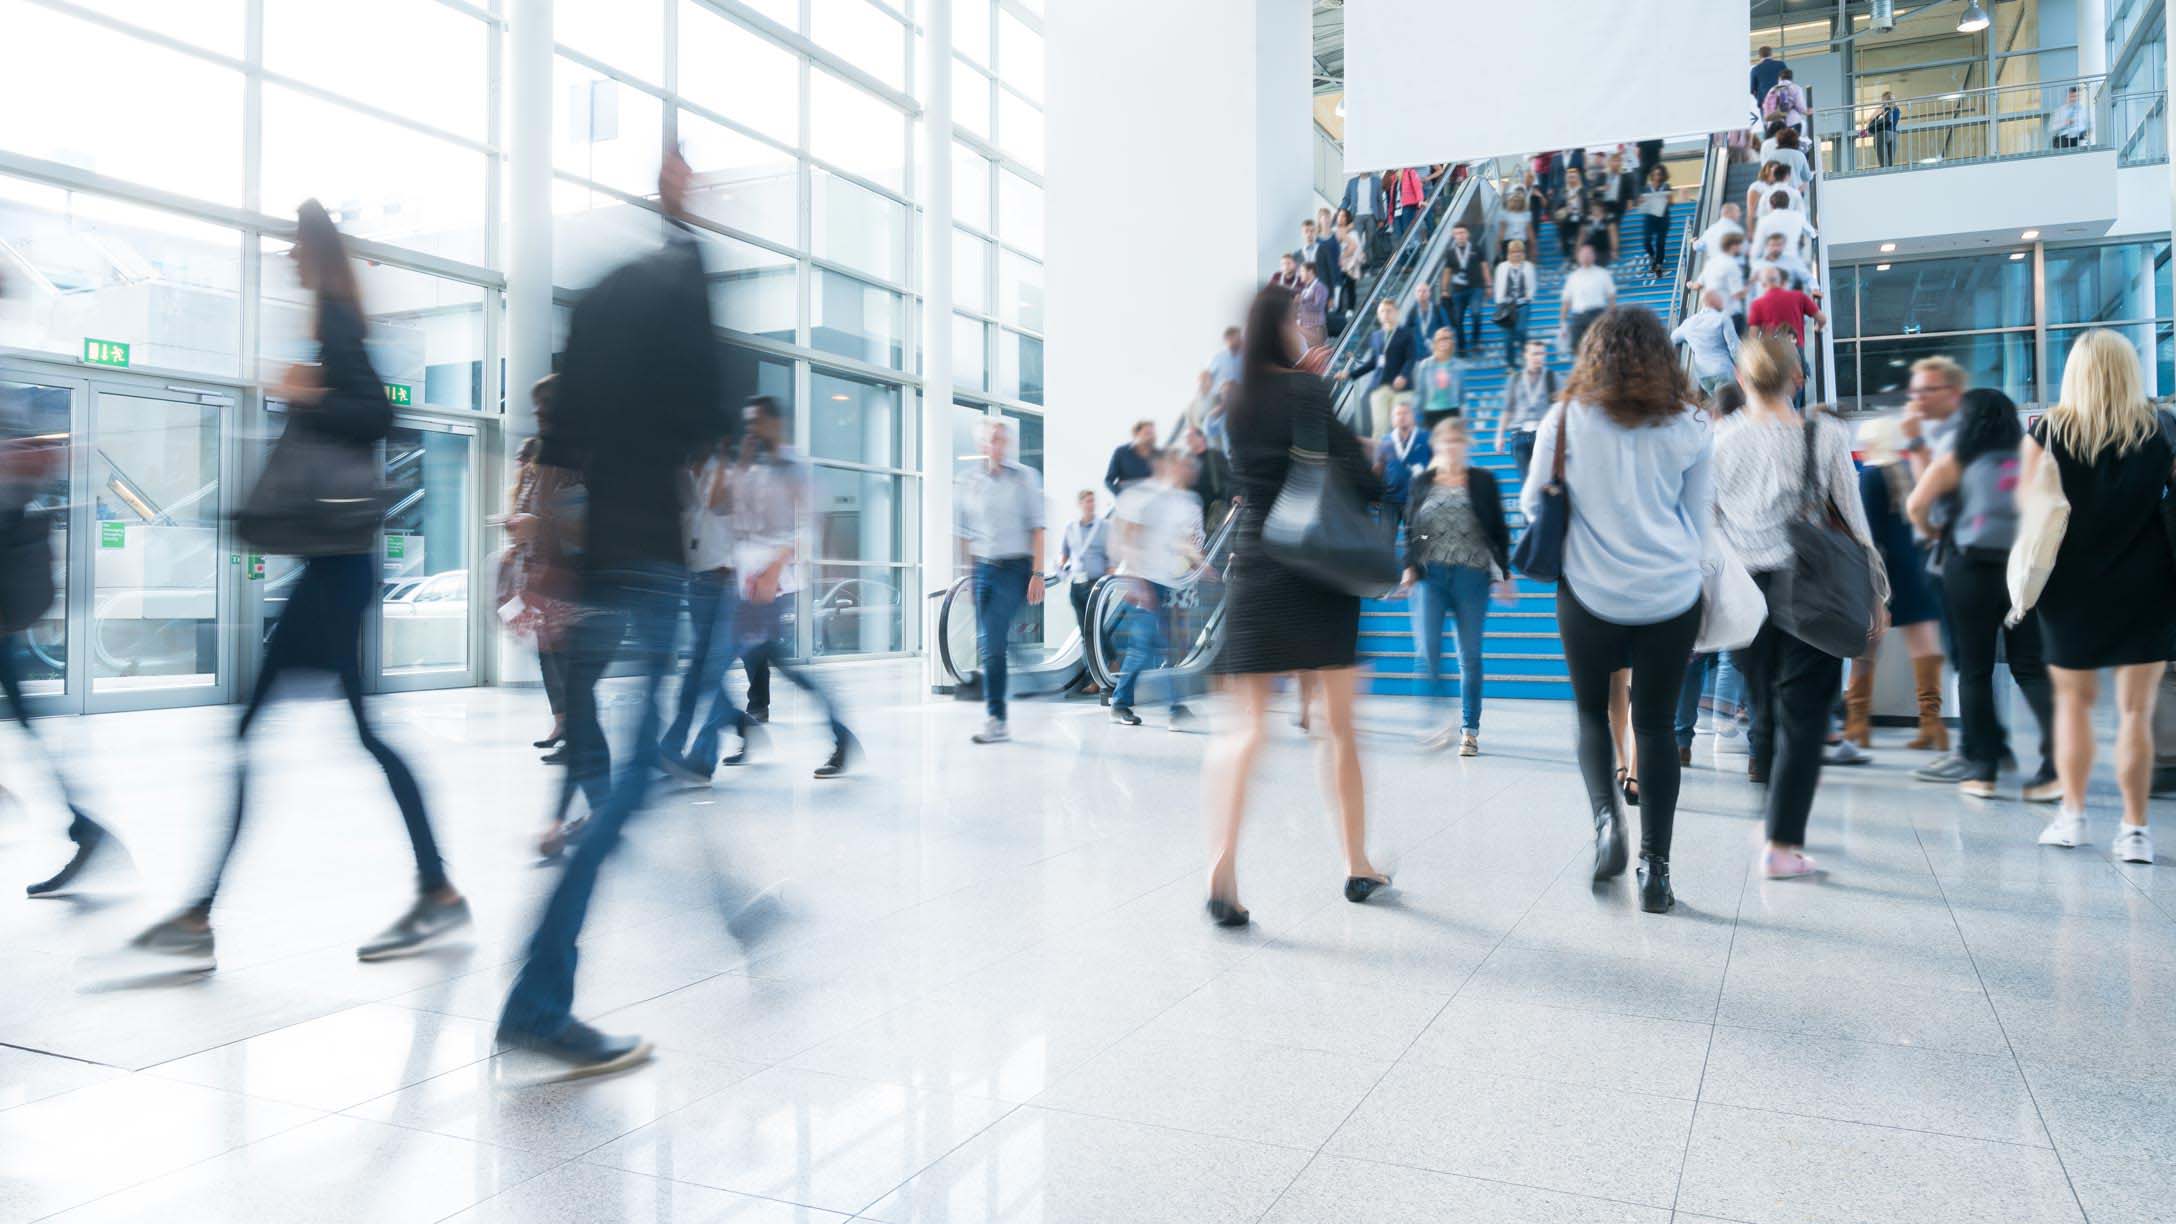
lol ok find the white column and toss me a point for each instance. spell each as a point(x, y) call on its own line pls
point(528, 187)
point(938, 548)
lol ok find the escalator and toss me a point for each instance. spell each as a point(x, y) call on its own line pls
point(1198, 598)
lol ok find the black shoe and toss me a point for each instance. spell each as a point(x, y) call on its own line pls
point(550, 741)
point(426, 922)
point(681, 768)
point(1359, 888)
point(557, 756)
point(748, 735)
point(1124, 715)
point(1226, 914)
point(1182, 719)
point(93, 843)
point(1756, 773)
point(1609, 849)
point(761, 714)
point(585, 1050)
point(1655, 894)
point(845, 748)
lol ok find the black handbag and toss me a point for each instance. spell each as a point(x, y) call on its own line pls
point(1825, 596)
point(1320, 528)
point(318, 497)
point(26, 567)
point(1540, 555)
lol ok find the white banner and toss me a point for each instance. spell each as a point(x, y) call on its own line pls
point(1431, 81)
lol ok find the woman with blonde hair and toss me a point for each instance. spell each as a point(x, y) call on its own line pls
point(2110, 601)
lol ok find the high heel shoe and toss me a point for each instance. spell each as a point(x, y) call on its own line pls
point(1655, 894)
point(1226, 914)
point(1359, 888)
point(1609, 849)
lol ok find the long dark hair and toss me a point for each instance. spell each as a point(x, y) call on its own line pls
point(1986, 421)
point(1262, 349)
point(322, 256)
point(1628, 368)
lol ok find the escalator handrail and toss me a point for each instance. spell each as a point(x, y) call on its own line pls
point(1102, 671)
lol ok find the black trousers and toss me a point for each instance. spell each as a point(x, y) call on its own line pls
point(1596, 649)
point(1790, 686)
point(1978, 597)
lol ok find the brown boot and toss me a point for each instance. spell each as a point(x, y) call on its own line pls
point(1927, 677)
point(1859, 703)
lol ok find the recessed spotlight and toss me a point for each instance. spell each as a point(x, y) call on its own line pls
point(2016, 255)
point(1887, 247)
point(840, 398)
point(2029, 235)
point(1881, 267)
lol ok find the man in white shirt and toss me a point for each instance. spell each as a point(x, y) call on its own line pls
point(2068, 124)
point(1723, 273)
point(713, 614)
point(1159, 542)
point(1796, 273)
point(998, 505)
point(1785, 220)
point(1588, 291)
point(1713, 340)
point(1711, 239)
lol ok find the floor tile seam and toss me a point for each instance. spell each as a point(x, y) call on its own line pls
point(188, 1165)
point(1497, 1181)
point(1707, 1055)
point(2039, 1115)
point(1886, 1126)
point(1908, 1047)
point(1523, 1077)
point(74, 1058)
point(1011, 1108)
point(460, 1211)
point(585, 1161)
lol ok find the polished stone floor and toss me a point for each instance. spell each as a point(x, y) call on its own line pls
point(974, 984)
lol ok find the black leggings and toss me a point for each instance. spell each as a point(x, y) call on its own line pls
point(1595, 650)
point(1978, 596)
point(1791, 686)
point(321, 629)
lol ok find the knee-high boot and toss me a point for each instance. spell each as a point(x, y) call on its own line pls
point(1859, 703)
point(1933, 733)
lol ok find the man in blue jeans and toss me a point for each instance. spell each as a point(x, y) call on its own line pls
point(1159, 538)
point(999, 508)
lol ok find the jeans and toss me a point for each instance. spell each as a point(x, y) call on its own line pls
point(1522, 450)
point(760, 635)
point(589, 759)
point(1465, 303)
point(12, 648)
point(321, 629)
point(1977, 593)
point(1575, 328)
point(1147, 629)
point(1791, 685)
point(1515, 337)
point(1885, 146)
point(713, 613)
point(1594, 651)
point(1656, 234)
point(1462, 591)
point(1729, 688)
point(1001, 589)
point(641, 602)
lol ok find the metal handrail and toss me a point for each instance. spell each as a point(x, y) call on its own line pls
point(2142, 140)
point(1402, 258)
point(1980, 124)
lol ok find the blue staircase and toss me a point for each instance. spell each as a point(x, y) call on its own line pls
point(1522, 653)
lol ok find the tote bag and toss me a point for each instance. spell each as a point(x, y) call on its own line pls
point(1540, 555)
point(1731, 605)
point(2043, 516)
point(1825, 596)
point(1319, 527)
point(318, 497)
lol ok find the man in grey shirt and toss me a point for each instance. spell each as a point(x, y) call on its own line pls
point(1000, 515)
point(1083, 556)
point(1713, 341)
point(1526, 400)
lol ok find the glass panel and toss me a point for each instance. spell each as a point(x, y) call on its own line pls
point(1019, 367)
point(426, 332)
point(2152, 357)
point(970, 188)
point(761, 85)
point(1843, 301)
point(1020, 291)
point(593, 233)
point(627, 34)
point(858, 227)
point(379, 180)
point(605, 131)
point(46, 414)
point(424, 562)
point(970, 273)
point(864, 36)
point(740, 181)
point(785, 12)
point(856, 130)
point(857, 609)
point(1027, 435)
point(853, 419)
point(751, 287)
point(1019, 212)
point(415, 58)
point(971, 29)
point(970, 365)
point(2002, 361)
point(156, 564)
point(968, 422)
point(1020, 129)
point(215, 25)
point(856, 319)
point(81, 99)
point(167, 287)
point(1936, 295)
point(2104, 283)
point(749, 374)
point(857, 515)
point(970, 100)
point(1019, 55)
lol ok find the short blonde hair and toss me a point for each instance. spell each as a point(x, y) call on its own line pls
point(1767, 364)
point(1951, 373)
point(2104, 404)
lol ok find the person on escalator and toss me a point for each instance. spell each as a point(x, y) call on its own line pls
point(999, 511)
point(1212, 478)
point(1084, 556)
point(1131, 461)
point(1388, 355)
point(1159, 540)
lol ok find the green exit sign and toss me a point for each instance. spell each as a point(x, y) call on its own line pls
point(113, 535)
point(400, 395)
point(105, 353)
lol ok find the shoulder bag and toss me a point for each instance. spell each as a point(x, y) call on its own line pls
point(1732, 608)
point(1320, 528)
point(1540, 555)
point(1825, 596)
point(318, 497)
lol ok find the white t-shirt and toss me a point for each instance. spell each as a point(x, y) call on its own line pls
point(709, 532)
point(1792, 225)
point(1722, 273)
point(1157, 528)
point(1589, 288)
point(1711, 239)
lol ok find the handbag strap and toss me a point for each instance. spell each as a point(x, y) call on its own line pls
point(1563, 423)
point(1805, 476)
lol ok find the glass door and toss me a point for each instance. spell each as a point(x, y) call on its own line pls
point(429, 579)
point(43, 413)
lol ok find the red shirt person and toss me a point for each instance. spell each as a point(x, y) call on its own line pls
point(1779, 308)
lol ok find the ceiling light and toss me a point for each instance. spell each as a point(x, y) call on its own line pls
point(2016, 255)
point(1975, 19)
point(839, 397)
point(1887, 247)
point(2029, 235)
point(1881, 267)
point(1929, 161)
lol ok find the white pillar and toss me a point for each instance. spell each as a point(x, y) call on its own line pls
point(528, 186)
point(938, 548)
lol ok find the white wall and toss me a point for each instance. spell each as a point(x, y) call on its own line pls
point(2072, 195)
point(1181, 160)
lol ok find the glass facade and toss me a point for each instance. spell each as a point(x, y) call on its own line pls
point(1979, 310)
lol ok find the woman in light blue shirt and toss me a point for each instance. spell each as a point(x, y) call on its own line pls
point(1636, 469)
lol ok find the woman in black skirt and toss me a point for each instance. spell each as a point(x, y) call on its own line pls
point(1277, 621)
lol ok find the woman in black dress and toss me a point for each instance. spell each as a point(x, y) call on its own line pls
point(2110, 601)
point(1277, 621)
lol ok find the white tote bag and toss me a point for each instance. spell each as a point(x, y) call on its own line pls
point(2043, 515)
point(1732, 608)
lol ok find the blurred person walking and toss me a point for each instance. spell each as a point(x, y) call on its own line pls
point(1712, 339)
point(1131, 460)
point(1915, 604)
point(1279, 621)
point(1084, 556)
point(1457, 550)
point(999, 511)
point(1635, 454)
point(1212, 470)
point(1527, 398)
point(713, 618)
point(2110, 601)
point(1159, 541)
point(1588, 291)
point(1441, 380)
point(321, 498)
point(1513, 294)
point(1653, 206)
point(1465, 281)
point(1401, 454)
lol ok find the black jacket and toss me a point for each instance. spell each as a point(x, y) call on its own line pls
point(1488, 506)
point(1126, 467)
point(1475, 266)
point(640, 390)
point(1394, 356)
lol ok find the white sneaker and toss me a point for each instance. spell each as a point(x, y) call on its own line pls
point(993, 731)
point(1732, 743)
point(2067, 829)
point(2134, 844)
point(1844, 752)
